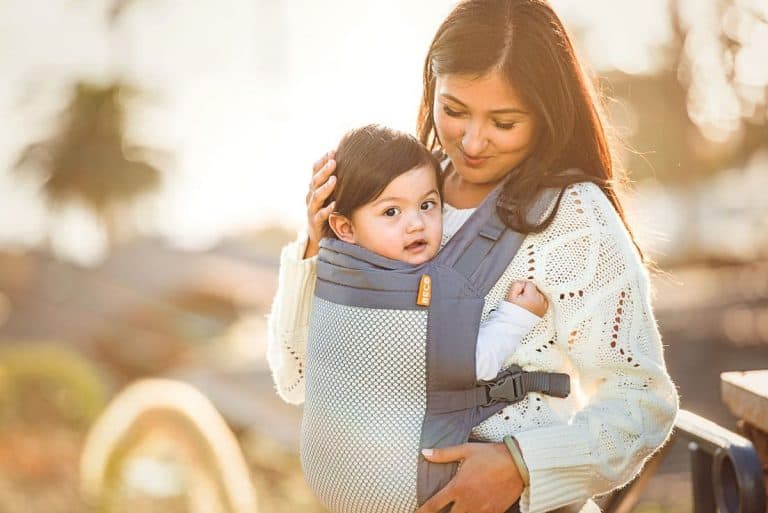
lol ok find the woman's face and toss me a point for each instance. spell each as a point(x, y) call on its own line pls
point(483, 125)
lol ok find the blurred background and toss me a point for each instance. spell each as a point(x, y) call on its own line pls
point(154, 156)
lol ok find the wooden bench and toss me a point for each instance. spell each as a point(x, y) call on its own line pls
point(746, 396)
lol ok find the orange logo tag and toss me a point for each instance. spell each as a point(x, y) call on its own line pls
point(424, 297)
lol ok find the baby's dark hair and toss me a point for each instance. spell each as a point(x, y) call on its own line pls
point(367, 160)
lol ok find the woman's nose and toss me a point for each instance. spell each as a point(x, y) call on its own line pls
point(473, 141)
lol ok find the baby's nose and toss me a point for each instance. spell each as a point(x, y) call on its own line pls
point(416, 222)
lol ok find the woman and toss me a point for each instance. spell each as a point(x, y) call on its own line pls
point(504, 96)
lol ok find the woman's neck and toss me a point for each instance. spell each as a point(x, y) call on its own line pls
point(462, 194)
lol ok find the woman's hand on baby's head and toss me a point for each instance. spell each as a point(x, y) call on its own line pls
point(320, 188)
point(525, 294)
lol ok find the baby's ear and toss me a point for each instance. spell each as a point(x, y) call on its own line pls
point(342, 227)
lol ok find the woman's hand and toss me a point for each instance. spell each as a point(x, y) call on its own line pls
point(487, 480)
point(320, 188)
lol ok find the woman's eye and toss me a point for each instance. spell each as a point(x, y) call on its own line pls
point(451, 112)
point(428, 205)
point(506, 126)
point(391, 212)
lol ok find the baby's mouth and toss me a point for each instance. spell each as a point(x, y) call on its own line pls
point(416, 245)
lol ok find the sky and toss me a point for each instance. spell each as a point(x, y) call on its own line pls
point(245, 93)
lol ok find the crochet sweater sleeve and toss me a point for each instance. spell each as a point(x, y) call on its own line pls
point(288, 322)
point(606, 336)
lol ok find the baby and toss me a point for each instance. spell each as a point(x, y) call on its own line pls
point(388, 200)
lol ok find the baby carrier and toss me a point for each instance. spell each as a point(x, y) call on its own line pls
point(390, 366)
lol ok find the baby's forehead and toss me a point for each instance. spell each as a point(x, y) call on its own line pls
point(414, 184)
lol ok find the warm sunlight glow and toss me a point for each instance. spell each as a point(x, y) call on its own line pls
point(246, 109)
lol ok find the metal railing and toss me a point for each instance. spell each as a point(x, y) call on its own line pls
point(726, 472)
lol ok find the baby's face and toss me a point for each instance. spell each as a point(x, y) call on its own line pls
point(405, 222)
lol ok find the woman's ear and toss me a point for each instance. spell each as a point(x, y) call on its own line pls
point(342, 227)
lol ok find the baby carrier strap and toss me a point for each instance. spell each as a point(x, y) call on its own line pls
point(488, 235)
point(479, 252)
point(354, 276)
point(483, 247)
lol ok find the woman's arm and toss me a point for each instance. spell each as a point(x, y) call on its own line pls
point(288, 321)
point(605, 328)
point(609, 334)
point(629, 414)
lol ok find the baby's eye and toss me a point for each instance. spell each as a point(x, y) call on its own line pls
point(391, 211)
point(428, 205)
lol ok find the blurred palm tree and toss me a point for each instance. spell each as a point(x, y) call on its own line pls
point(88, 159)
point(116, 8)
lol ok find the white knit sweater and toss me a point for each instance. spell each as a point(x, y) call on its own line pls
point(599, 329)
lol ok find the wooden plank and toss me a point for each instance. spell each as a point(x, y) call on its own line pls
point(746, 395)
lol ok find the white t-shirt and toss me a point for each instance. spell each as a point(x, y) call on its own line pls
point(499, 336)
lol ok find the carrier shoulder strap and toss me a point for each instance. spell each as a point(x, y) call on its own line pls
point(492, 234)
point(484, 246)
point(488, 235)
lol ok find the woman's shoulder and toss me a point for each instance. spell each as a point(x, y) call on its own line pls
point(585, 205)
point(586, 213)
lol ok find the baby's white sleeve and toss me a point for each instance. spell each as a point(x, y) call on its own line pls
point(499, 337)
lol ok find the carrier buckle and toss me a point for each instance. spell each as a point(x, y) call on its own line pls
point(508, 389)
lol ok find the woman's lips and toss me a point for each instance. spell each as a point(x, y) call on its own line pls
point(473, 161)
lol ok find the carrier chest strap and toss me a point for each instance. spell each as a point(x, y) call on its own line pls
point(513, 386)
point(510, 387)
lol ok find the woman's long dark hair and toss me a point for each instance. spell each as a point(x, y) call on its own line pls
point(526, 42)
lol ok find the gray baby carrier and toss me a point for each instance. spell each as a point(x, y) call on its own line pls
point(390, 366)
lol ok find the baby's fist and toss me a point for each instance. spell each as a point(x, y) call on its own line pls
point(526, 295)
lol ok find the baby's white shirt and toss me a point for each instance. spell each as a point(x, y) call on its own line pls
point(499, 336)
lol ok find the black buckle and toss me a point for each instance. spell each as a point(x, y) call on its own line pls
point(508, 389)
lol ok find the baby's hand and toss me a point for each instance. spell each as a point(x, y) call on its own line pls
point(526, 295)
